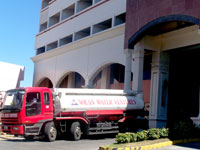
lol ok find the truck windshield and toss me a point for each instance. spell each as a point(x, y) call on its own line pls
point(13, 100)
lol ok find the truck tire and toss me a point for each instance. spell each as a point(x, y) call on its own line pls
point(75, 131)
point(50, 131)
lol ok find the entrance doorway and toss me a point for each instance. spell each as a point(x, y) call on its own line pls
point(184, 83)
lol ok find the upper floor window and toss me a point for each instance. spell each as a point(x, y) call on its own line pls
point(66, 40)
point(68, 12)
point(102, 26)
point(83, 4)
point(43, 26)
point(54, 19)
point(40, 50)
point(45, 3)
point(82, 34)
point(120, 19)
point(52, 45)
point(96, 1)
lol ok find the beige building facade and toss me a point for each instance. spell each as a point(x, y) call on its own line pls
point(80, 44)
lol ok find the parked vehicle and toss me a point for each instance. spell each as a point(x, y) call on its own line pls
point(36, 111)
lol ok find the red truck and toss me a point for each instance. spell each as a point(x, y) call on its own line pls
point(34, 111)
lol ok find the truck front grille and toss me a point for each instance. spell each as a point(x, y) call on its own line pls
point(9, 120)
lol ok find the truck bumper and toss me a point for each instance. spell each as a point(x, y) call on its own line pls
point(12, 129)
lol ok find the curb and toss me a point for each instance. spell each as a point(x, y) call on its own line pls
point(153, 146)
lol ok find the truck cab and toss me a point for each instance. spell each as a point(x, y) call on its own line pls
point(25, 110)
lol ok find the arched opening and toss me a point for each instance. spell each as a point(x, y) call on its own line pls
point(72, 80)
point(117, 76)
point(172, 42)
point(46, 83)
point(184, 83)
point(110, 76)
point(162, 25)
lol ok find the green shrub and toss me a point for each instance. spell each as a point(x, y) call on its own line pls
point(142, 135)
point(151, 134)
point(133, 137)
point(183, 129)
point(123, 138)
point(128, 137)
point(164, 133)
point(154, 133)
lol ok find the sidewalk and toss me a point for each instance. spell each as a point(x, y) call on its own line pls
point(166, 144)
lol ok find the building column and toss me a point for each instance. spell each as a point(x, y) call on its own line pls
point(105, 78)
point(71, 80)
point(196, 120)
point(128, 66)
point(137, 66)
point(199, 104)
point(76, 7)
point(88, 84)
point(159, 90)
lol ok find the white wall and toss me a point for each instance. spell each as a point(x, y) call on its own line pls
point(86, 55)
point(10, 76)
point(85, 59)
point(98, 14)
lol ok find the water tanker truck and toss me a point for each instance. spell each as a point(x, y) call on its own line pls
point(35, 111)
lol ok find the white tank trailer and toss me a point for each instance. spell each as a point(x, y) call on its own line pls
point(74, 100)
point(97, 111)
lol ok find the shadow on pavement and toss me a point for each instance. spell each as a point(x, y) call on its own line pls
point(60, 138)
point(190, 145)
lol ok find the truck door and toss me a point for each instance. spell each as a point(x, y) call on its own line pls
point(36, 111)
point(48, 105)
point(33, 106)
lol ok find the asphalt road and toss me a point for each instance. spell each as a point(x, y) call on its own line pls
point(90, 143)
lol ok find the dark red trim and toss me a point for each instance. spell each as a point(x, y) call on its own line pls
point(72, 118)
point(44, 9)
point(51, 2)
point(73, 16)
point(104, 112)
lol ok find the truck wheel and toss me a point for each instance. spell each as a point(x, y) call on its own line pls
point(50, 131)
point(76, 131)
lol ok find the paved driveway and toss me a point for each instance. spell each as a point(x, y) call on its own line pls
point(84, 144)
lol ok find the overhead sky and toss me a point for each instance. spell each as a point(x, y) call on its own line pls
point(19, 23)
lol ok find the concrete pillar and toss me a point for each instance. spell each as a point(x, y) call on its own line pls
point(71, 80)
point(196, 120)
point(88, 84)
point(93, 2)
point(128, 68)
point(199, 103)
point(137, 66)
point(105, 78)
point(76, 5)
point(159, 90)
